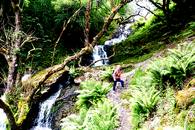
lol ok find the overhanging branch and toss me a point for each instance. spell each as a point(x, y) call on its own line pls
point(9, 114)
point(109, 20)
point(63, 29)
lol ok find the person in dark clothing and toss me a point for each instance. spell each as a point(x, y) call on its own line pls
point(117, 77)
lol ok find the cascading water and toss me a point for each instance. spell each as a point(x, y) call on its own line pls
point(121, 34)
point(44, 117)
point(3, 120)
point(99, 52)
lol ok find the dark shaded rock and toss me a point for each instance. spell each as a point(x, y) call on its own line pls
point(86, 60)
point(108, 49)
point(64, 106)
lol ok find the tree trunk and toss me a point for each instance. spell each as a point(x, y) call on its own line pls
point(9, 115)
point(12, 62)
point(11, 79)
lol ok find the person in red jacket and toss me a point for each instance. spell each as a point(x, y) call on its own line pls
point(117, 77)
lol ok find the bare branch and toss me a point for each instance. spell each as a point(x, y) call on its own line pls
point(147, 10)
point(126, 20)
point(27, 39)
point(158, 5)
point(63, 29)
point(109, 20)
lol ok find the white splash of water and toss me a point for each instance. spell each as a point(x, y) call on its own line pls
point(3, 120)
point(99, 53)
point(124, 31)
point(43, 121)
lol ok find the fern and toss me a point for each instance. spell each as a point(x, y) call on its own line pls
point(143, 103)
point(173, 69)
point(91, 92)
point(101, 116)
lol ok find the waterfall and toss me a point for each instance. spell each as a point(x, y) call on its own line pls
point(121, 34)
point(99, 52)
point(44, 117)
point(3, 120)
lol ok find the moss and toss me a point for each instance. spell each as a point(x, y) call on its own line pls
point(185, 97)
point(23, 111)
point(134, 53)
point(35, 79)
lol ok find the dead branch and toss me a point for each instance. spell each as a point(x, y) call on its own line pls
point(108, 21)
point(27, 39)
point(147, 10)
point(158, 5)
point(131, 16)
point(61, 67)
point(63, 29)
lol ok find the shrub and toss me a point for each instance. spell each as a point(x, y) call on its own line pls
point(174, 69)
point(143, 103)
point(75, 72)
point(91, 92)
point(102, 116)
point(107, 75)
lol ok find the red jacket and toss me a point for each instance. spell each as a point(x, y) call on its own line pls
point(117, 74)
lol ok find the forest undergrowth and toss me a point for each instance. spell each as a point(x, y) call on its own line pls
point(159, 95)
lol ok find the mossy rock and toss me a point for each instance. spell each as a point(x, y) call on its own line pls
point(36, 78)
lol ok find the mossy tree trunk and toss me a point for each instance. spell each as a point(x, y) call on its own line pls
point(13, 58)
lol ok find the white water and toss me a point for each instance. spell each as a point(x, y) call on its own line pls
point(99, 53)
point(43, 121)
point(124, 31)
point(3, 119)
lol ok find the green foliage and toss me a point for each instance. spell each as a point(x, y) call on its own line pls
point(102, 116)
point(107, 74)
point(13, 97)
point(137, 77)
point(145, 86)
point(176, 67)
point(143, 103)
point(187, 32)
point(74, 72)
point(91, 92)
point(166, 107)
point(141, 44)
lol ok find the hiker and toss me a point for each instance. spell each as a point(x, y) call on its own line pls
point(117, 77)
